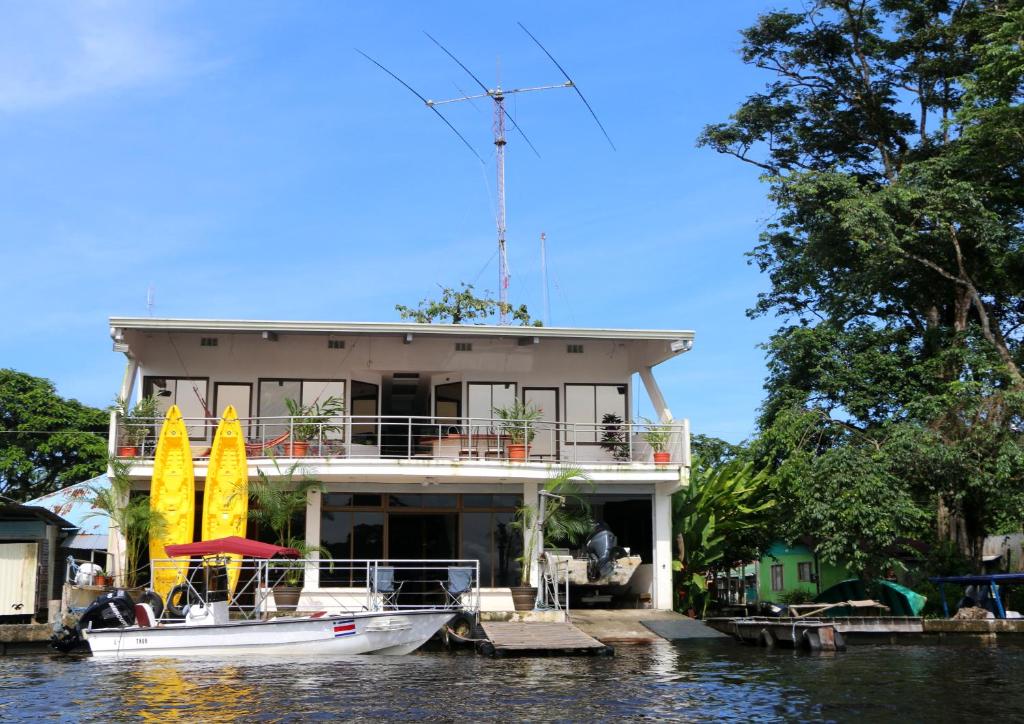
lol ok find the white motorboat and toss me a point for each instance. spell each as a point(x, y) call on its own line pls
point(370, 632)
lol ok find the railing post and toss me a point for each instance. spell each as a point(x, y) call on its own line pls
point(408, 442)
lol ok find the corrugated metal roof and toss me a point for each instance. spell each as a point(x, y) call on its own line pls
point(72, 504)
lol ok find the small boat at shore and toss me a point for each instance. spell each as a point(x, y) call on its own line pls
point(125, 624)
point(371, 632)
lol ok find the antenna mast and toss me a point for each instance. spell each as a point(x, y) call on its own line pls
point(497, 95)
point(544, 277)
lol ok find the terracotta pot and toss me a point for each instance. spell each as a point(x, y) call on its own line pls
point(101, 581)
point(296, 449)
point(518, 452)
point(127, 451)
point(524, 597)
point(286, 598)
point(662, 458)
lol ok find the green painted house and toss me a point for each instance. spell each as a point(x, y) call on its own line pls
point(786, 568)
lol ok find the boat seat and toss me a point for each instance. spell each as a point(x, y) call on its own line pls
point(144, 616)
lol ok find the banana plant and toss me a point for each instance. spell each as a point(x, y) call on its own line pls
point(718, 503)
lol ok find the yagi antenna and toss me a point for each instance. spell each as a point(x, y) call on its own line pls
point(571, 83)
point(429, 104)
point(498, 95)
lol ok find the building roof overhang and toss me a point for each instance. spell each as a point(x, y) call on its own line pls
point(675, 341)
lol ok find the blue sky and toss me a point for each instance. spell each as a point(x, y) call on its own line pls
point(244, 161)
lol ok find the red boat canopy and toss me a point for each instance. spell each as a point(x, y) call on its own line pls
point(231, 544)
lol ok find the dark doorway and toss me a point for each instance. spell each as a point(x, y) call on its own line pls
point(404, 395)
point(429, 536)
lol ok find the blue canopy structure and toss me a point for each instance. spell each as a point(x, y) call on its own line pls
point(988, 583)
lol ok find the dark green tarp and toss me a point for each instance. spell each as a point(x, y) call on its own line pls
point(900, 599)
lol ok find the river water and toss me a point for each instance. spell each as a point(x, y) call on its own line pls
point(698, 680)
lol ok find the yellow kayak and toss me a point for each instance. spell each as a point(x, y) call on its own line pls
point(172, 497)
point(226, 498)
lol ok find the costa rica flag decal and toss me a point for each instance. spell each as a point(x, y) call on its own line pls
point(345, 627)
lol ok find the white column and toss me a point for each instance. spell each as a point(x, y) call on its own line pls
point(530, 498)
point(654, 393)
point(662, 509)
point(312, 580)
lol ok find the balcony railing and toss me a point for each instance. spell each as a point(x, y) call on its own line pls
point(393, 437)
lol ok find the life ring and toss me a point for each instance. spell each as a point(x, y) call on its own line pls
point(179, 598)
point(155, 602)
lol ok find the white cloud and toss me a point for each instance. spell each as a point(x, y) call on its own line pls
point(53, 51)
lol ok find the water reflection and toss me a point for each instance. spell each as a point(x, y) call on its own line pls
point(706, 680)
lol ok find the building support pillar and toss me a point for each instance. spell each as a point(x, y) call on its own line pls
point(662, 579)
point(529, 535)
point(312, 578)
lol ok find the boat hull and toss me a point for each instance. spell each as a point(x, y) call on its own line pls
point(360, 633)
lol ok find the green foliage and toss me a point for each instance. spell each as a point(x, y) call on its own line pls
point(279, 505)
point(710, 452)
point(130, 514)
point(657, 435)
point(137, 422)
point(719, 505)
point(47, 442)
point(889, 137)
point(458, 306)
point(613, 436)
point(565, 523)
point(314, 420)
point(517, 421)
point(796, 596)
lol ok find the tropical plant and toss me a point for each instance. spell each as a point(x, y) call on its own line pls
point(279, 500)
point(657, 434)
point(613, 436)
point(136, 421)
point(131, 515)
point(47, 442)
point(311, 421)
point(517, 421)
point(719, 503)
point(565, 521)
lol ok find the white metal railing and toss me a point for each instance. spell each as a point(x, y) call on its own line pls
point(352, 584)
point(437, 438)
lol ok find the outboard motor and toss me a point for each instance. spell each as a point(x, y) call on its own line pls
point(602, 552)
point(115, 609)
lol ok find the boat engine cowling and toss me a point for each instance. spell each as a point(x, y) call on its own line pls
point(602, 552)
point(115, 609)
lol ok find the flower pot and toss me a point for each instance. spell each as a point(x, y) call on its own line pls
point(286, 598)
point(127, 451)
point(662, 458)
point(524, 597)
point(103, 581)
point(518, 452)
point(296, 449)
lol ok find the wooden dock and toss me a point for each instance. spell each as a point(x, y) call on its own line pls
point(539, 639)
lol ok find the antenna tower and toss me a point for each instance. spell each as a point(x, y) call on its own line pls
point(498, 96)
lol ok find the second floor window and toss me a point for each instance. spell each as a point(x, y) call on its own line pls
point(586, 407)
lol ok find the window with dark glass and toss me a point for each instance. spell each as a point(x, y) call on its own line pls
point(586, 407)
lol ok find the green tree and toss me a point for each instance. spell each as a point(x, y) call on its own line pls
point(460, 306)
point(889, 137)
point(46, 441)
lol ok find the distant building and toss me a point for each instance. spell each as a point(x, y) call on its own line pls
point(31, 563)
point(785, 569)
point(418, 465)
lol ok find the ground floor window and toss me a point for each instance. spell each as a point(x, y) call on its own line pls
point(777, 580)
point(804, 572)
point(430, 526)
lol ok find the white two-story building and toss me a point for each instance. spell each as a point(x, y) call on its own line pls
point(416, 466)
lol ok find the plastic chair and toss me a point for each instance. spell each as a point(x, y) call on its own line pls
point(460, 581)
point(386, 587)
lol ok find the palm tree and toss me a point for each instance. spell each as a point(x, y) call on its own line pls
point(131, 515)
point(565, 521)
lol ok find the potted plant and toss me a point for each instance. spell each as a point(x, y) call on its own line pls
point(101, 579)
point(565, 522)
point(130, 514)
point(516, 424)
point(613, 437)
point(136, 423)
point(658, 436)
point(311, 422)
point(279, 500)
